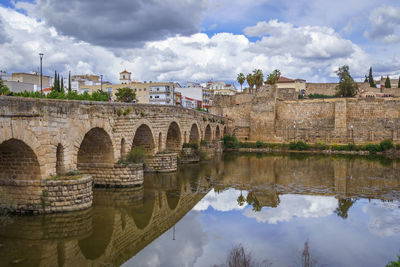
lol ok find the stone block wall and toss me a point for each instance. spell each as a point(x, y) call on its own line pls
point(162, 162)
point(189, 155)
point(337, 120)
point(114, 175)
point(46, 196)
point(67, 195)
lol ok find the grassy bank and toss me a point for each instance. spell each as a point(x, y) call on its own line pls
point(386, 146)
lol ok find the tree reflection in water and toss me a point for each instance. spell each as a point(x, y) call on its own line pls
point(239, 257)
point(344, 204)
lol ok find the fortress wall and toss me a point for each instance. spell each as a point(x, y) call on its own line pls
point(338, 120)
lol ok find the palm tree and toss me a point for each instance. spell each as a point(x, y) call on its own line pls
point(241, 79)
point(250, 81)
point(258, 78)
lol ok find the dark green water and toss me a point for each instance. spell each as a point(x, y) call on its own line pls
point(283, 210)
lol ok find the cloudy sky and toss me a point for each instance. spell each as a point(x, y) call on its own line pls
point(197, 40)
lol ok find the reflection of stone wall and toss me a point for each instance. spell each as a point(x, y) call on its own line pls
point(320, 175)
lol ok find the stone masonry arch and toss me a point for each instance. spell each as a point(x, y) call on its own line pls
point(194, 136)
point(96, 147)
point(208, 133)
point(18, 161)
point(143, 138)
point(174, 137)
point(217, 133)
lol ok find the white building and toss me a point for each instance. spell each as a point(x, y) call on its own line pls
point(192, 97)
point(125, 77)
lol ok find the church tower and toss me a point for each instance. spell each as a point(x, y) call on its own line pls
point(125, 77)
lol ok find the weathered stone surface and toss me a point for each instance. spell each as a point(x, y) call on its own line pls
point(266, 117)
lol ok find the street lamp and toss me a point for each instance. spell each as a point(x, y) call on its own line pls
point(101, 83)
point(41, 75)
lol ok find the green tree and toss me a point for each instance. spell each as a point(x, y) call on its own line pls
point(3, 88)
point(241, 79)
point(273, 77)
point(62, 84)
point(371, 78)
point(69, 82)
point(398, 85)
point(258, 78)
point(250, 81)
point(387, 82)
point(347, 87)
point(55, 83)
point(366, 79)
point(125, 94)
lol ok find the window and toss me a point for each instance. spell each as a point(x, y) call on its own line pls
point(140, 89)
point(158, 89)
point(144, 89)
point(135, 89)
point(151, 97)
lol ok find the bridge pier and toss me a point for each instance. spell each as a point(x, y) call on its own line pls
point(162, 162)
point(114, 175)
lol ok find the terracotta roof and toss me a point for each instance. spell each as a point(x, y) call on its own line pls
point(284, 80)
point(125, 71)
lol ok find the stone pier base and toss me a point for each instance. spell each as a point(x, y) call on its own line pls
point(212, 148)
point(114, 175)
point(162, 162)
point(47, 196)
point(189, 155)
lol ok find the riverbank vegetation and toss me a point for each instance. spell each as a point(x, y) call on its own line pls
point(232, 142)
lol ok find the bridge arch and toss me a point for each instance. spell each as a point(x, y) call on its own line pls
point(174, 138)
point(60, 159)
point(194, 136)
point(217, 133)
point(143, 138)
point(95, 245)
point(96, 147)
point(18, 161)
point(208, 133)
point(143, 214)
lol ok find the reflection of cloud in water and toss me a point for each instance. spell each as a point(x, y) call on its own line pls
point(183, 251)
point(384, 217)
point(224, 201)
point(295, 206)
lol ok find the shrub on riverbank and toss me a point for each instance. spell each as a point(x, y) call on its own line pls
point(230, 141)
point(233, 143)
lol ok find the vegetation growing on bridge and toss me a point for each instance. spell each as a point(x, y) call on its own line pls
point(95, 96)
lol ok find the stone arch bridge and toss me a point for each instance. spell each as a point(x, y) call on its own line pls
point(40, 138)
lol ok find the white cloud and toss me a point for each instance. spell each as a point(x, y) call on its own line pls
point(224, 201)
point(384, 218)
point(291, 206)
point(385, 24)
point(313, 53)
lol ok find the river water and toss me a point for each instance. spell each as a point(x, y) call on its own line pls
point(282, 210)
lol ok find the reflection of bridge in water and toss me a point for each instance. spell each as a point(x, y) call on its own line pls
point(121, 223)
point(124, 221)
